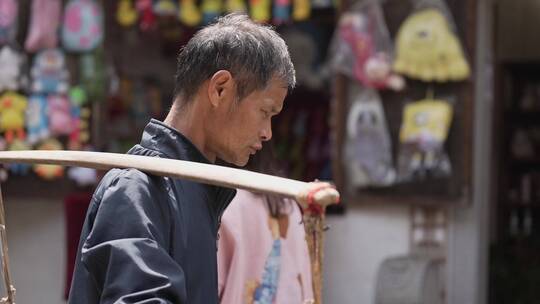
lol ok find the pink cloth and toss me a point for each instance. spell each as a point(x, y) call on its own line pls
point(244, 247)
point(43, 32)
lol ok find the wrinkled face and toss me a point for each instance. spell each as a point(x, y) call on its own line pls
point(246, 124)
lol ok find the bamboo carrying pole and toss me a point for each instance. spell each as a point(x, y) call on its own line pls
point(313, 197)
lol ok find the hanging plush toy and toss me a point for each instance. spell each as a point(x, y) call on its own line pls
point(147, 16)
point(235, 6)
point(189, 13)
point(49, 72)
point(165, 8)
point(44, 23)
point(282, 11)
point(126, 14)
point(60, 122)
point(10, 73)
point(422, 136)
point(80, 115)
point(8, 20)
point(82, 30)
point(49, 172)
point(368, 153)
point(211, 9)
point(301, 10)
point(16, 168)
point(428, 50)
point(363, 48)
point(93, 78)
point(37, 122)
point(12, 110)
point(260, 10)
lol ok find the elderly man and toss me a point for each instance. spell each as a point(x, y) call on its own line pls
point(149, 239)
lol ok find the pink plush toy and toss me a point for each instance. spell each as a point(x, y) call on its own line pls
point(43, 32)
point(60, 122)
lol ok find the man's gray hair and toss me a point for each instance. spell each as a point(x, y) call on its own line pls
point(251, 52)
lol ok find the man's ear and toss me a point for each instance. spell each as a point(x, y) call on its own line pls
point(221, 87)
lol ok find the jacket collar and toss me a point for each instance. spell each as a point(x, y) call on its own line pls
point(169, 143)
point(161, 140)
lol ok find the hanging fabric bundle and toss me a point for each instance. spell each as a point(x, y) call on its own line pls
point(8, 21)
point(44, 23)
point(362, 48)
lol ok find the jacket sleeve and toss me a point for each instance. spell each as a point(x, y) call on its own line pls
point(126, 252)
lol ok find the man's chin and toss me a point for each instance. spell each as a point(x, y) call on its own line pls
point(241, 162)
point(235, 161)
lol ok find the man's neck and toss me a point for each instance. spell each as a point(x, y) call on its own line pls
point(191, 125)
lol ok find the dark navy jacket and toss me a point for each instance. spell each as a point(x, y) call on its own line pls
point(149, 239)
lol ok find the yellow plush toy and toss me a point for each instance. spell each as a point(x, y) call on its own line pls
point(189, 13)
point(260, 10)
point(301, 10)
point(12, 113)
point(428, 50)
point(232, 6)
point(426, 121)
point(126, 14)
point(424, 130)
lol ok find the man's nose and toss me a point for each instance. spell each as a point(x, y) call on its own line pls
point(266, 133)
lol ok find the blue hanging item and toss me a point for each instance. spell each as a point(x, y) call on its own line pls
point(37, 122)
point(211, 9)
point(49, 72)
point(281, 11)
